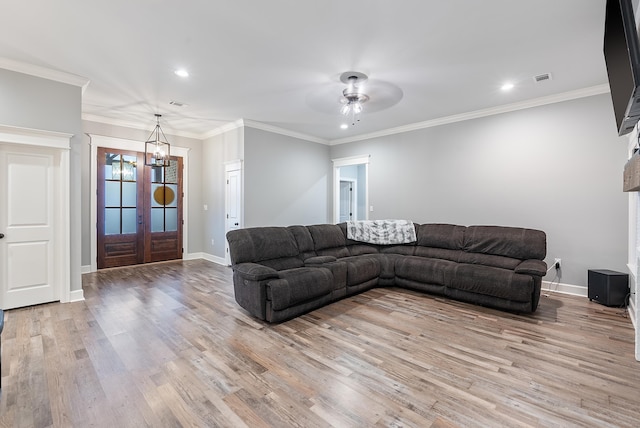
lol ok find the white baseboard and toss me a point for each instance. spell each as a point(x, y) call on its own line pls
point(214, 259)
point(76, 296)
point(205, 256)
point(558, 287)
point(632, 313)
point(188, 256)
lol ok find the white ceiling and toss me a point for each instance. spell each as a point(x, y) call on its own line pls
point(278, 62)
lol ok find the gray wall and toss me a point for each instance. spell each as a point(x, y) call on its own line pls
point(194, 191)
point(216, 152)
point(286, 180)
point(32, 102)
point(557, 168)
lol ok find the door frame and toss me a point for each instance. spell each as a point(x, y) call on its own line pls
point(96, 141)
point(348, 161)
point(62, 246)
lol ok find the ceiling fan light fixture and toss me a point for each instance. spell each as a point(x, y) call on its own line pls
point(353, 95)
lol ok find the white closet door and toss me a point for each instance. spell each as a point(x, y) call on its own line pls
point(29, 193)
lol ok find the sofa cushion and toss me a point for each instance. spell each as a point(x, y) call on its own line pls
point(283, 263)
point(421, 269)
point(514, 242)
point(297, 286)
point(303, 241)
point(436, 235)
point(359, 249)
point(490, 281)
point(405, 249)
point(438, 253)
point(261, 243)
point(489, 260)
point(361, 269)
point(328, 240)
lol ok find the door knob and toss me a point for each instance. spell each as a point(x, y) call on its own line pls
point(1, 235)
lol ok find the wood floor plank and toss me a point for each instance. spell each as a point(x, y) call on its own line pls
point(166, 345)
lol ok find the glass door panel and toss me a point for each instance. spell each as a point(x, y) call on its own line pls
point(120, 240)
point(139, 209)
point(164, 196)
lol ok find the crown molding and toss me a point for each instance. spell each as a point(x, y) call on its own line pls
point(536, 102)
point(45, 73)
point(137, 125)
point(282, 131)
point(222, 129)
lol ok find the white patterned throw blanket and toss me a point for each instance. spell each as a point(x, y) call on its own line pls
point(381, 232)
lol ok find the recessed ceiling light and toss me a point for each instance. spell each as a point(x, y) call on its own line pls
point(344, 126)
point(181, 72)
point(507, 86)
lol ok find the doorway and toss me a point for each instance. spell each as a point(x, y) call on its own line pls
point(139, 209)
point(351, 189)
point(233, 202)
point(164, 209)
point(348, 198)
point(34, 217)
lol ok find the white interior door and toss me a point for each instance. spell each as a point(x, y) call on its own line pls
point(346, 201)
point(28, 204)
point(233, 204)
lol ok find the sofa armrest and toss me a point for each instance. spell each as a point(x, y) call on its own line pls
point(319, 260)
point(532, 267)
point(255, 271)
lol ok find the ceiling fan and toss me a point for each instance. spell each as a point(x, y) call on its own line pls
point(361, 95)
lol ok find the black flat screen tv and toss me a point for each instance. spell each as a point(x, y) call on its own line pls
point(622, 56)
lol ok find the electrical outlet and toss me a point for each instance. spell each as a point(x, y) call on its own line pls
point(558, 263)
point(212, 242)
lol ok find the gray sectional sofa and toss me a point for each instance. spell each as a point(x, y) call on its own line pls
point(282, 272)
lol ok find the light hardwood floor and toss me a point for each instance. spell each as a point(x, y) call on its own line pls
point(166, 345)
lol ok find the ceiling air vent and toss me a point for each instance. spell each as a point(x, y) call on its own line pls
point(542, 77)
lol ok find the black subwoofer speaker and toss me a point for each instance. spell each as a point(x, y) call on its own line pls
point(608, 287)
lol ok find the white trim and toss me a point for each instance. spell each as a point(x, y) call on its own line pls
point(558, 287)
point(35, 137)
point(551, 99)
point(214, 259)
point(76, 296)
point(239, 123)
point(631, 309)
point(45, 73)
point(234, 165)
point(348, 161)
point(85, 269)
point(138, 146)
point(61, 142)
point(351, 160)
point(282, 131)
point(139, 126)
point(65, 233)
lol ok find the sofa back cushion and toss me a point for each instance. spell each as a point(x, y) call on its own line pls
point(303, 241)
point(328, 240)
point(447, 236)
point(271, 246)
point(514, 242)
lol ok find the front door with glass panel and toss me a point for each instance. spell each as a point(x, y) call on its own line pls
point(163, 208)
point(139, 209)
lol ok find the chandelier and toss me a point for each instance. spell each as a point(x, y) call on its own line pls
point(156, 148)
point(353, 96)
